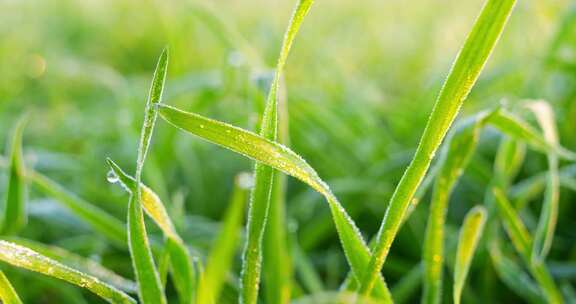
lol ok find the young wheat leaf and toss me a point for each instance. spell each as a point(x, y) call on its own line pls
point(149, 286)
point(283, 159)
point(264, 175)
point(15, 217)
point(464, 73)
point(467, 242)
point(8, 294)
point(549, 215)
point(180, 260)
point(26, 258)
point(97, 218)
point(78, 262)
point(220, 258)
point(459, 149)
point(522, 241)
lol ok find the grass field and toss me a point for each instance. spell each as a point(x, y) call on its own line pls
point(287, 151)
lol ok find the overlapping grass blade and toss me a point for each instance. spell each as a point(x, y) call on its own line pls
point(467, 67)
point(460, 147)
point(8, 294)
point(513, 275)
point(283, 159)
point(15, 217)
point(220, 258)
point(179, 257)
point(26, 258)
point(79, 263)
point(467, 242)
point(264, 175)
point(549, 215)
point(149, 286)
point(98, 219)
point(522, 241)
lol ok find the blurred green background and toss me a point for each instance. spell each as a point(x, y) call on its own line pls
point(360, 83)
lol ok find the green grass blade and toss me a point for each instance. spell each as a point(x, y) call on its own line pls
point(468, 241)
point(98, 219)
point(460, 147)
point(8, 294)
point(283, 159)
point(522, 241)
point(149, 286)
point(549, 215)
point(464, 73)
point(264, 175)
point(23, 257)
point(15, 217)
point(79, 263)
point(220, 258)
point(180, 259)
point(515, 127)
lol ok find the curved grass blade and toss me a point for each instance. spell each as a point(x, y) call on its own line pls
point(467, 242)
point(78, 262)
point(8, 294)
point(180, 259)
point(26, 258)
point(15, 217)
point(220, 259)
point(522, 241)
point(149, 286)
point(549, 215)
point(263, 175)
point(460, 147)
point(464, 73)
point(283, 159)
point(97, 218)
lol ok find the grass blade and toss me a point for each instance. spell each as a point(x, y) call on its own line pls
point(7, 293)
point(23, 257)
point(283, 159)
point(180, 259)
point(78, 262)
point(221, 255)
point(264, 175)
point(549, 215)
point(522, 241)
point(460, 147)
point(149, 286)
point(97, 218)
point(15, 217)
point(468, 241)
point(467, 67)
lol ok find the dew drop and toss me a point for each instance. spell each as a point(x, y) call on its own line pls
point(201, 126)
point(111, 177)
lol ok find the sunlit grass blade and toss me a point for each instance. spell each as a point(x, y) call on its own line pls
point(464, 73)
point(522, 241)
point(15, 217)
point(98, 219)
point(79, 263)
point(549, 215)
point(263, 175)
point(23, 257)
point(220, 258)
point(7, 293)
point(459, 149)
point(179, 257)
point(283, 159)
point(150, 289)
point(516, 127)
point(468, 241)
